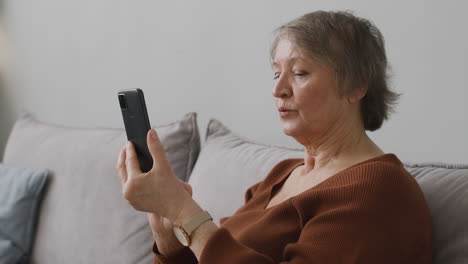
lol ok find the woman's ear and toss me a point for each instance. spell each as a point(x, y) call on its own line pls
point(357, 95)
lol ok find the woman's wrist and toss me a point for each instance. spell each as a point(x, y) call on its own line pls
point(163, 236)
point(189, 209)
point(168, 246)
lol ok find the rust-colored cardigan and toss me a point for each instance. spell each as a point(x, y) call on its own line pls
point(372, 212)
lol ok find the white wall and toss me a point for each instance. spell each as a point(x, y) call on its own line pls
point(71, 57)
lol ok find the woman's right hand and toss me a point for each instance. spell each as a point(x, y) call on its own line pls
point(163, 233)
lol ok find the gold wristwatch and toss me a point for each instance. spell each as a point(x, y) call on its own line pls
point(184, 232)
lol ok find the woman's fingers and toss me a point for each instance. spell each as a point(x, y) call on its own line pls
point(133, 166)
point(120, 167)
point(156, 149)
point(156, 191)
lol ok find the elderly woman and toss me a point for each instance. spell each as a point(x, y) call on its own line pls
point(345, 202)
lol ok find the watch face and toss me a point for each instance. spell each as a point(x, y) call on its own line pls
point(181, 236)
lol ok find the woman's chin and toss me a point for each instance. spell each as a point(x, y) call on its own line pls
point(289, 130)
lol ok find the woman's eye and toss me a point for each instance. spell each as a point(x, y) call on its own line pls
point(300, 73)
point(276, 77)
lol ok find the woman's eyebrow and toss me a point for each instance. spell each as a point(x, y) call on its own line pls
point(290, 60)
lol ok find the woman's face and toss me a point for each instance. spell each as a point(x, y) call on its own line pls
point(308, 91)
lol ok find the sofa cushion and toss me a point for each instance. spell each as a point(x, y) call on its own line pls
point(229, 164)
point(445, 187)
point(84, 218)
point(20, 194)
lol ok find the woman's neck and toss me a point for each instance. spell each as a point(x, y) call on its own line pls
point(343, 145)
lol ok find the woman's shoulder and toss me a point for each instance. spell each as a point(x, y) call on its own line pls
point(382, 178)
point(383, 172)
point(380, 168)
point(378, 185)
point(385, 168)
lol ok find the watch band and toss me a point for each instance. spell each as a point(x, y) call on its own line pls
point(196, 221)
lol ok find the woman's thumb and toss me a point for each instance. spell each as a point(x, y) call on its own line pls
point(156, 148)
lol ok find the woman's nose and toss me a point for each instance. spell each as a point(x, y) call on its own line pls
point(282, 88)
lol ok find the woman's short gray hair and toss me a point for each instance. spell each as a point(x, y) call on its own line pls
point(355, 48)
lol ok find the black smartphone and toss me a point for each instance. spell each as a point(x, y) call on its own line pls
point(136, 121)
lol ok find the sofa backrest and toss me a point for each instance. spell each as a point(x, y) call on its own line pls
point(445, 187)
point(83, 217)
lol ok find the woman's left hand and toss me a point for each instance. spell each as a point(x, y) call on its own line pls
point(157, 191)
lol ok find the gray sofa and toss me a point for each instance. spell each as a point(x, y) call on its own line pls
point(84, 219)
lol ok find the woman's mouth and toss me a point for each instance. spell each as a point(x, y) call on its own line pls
point(284, 111)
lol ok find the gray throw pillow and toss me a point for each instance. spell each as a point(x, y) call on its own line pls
point(228, 164)
point(445, 187)
point(84, 218)
point(20, 195)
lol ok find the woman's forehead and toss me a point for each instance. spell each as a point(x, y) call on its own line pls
point(288, 52)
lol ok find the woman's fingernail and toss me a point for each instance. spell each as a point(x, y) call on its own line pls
point(153, 134)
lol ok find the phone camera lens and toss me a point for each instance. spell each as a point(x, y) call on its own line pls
point(123, 103)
